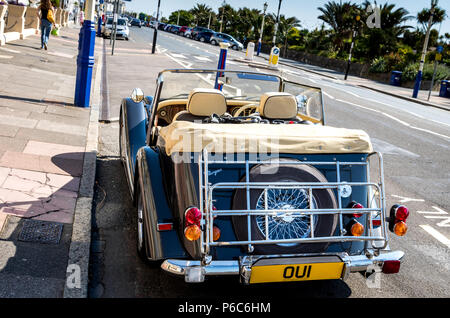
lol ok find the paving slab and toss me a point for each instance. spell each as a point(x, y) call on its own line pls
point(46, 164)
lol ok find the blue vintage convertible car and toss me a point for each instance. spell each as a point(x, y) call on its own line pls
point(236, 173)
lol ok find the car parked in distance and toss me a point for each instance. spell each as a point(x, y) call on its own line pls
point(197, 30)
point(122, 28)
point(218, 38)
point(204, 36)
point(188, 33)
point(161, 26)
point(175, 29)
point(136, 22)
point(182, 30)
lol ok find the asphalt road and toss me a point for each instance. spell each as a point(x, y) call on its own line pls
point(413, 138)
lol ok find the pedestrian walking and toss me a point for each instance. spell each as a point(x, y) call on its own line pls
point(81, 17)
point(46, 15)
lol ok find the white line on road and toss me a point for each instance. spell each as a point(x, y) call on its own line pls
point(437, 235)
point(202, 58)
point(396, 119)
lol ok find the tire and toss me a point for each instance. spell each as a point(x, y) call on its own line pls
point(141, 236)
point(324, 225)
point(234, 47)
point(202, 39)
point(213, 42)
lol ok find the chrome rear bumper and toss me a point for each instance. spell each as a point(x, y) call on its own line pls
point(194, 271)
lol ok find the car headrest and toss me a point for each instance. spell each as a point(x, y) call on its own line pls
point(278, 105)
point(206, 101)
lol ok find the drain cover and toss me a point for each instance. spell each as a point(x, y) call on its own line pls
point(41, 232)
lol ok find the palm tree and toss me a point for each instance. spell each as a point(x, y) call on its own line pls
point(201, 13)
point(285, 26)
point(424, 15)
point(381, 41)
point(340, 17)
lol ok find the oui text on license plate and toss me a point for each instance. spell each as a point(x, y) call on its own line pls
point(296, 272)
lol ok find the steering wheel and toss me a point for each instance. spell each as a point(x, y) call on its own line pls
point(241, 111)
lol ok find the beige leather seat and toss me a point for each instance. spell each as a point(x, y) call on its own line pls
point(276, 105)
point(202, 103)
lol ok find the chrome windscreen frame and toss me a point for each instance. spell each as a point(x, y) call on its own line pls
point(376, 210)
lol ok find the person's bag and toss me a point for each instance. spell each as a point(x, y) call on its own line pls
point(55, 31)
point(50, 16)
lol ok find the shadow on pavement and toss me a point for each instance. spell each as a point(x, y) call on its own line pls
point(33, 100)
point(35, 240)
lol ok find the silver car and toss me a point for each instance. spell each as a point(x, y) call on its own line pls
point(218, 38)
point(122, 28)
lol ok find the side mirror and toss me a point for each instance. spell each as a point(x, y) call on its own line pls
point(137, 95)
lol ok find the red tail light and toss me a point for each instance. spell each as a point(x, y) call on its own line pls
point(391, 267)
point(193, 216)
point(397, 219)
point(401, 213)
point(355, 205)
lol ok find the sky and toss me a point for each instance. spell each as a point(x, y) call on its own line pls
point(305, 10)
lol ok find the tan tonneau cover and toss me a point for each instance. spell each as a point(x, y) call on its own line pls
point(184, 136)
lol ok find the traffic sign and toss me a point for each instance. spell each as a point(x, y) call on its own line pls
point(440, 49)
point(438, 57)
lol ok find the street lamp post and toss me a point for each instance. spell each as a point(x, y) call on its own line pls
point(223, 11)
point(424, 51)
point(354, 34)
point(262, 30)
point(155, 33)
point(85, 60)
point(274, 40)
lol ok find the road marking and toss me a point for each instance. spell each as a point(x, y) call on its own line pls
point(178, 55)
point(6, 57)
point(438, 215)
point(405, 199)
point(202, 58)
point(437, 235)
point(439, 211)
point(389, 149)
point(328, 95)
point(396, 119)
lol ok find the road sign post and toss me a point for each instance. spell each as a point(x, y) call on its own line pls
point(424, 51)
point(274, 57)
point(85, 60)
point(221, 65)
point(437, 58)
point(155, 33)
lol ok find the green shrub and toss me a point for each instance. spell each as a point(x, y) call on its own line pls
point(378, 65)
point(410, 72)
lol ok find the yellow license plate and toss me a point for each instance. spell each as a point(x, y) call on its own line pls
point(296, 272)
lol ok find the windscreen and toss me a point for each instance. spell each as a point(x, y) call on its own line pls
point(236, 85)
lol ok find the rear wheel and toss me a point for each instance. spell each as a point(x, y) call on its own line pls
point(213, 42)
point(285, 225)
point(234, 47)
point(141, 239)
point(202, 39)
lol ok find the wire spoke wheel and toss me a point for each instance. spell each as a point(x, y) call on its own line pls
point(285, 225)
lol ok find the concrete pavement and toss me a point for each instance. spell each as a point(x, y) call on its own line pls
point(43, 143)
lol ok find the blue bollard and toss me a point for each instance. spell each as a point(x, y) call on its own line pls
point(258, 49)
point(221, 65)
point(417, 85)
point(85, 64)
